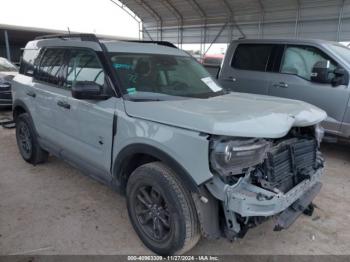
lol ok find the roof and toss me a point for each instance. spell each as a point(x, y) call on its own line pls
point(287, 40)
point(145, 48)
point(111, 45)
point(199, 21)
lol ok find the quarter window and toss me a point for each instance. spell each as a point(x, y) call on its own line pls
point(28, 61)
point(84, 66)
point(252, 57)
point(299, 60)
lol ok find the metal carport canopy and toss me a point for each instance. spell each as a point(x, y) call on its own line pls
point(220, 21)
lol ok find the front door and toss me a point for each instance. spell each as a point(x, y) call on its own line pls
point(88, 124)
point(294, 81)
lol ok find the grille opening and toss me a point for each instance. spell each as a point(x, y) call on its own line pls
point(287, 164)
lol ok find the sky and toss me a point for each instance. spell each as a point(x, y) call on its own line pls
point(88, 16)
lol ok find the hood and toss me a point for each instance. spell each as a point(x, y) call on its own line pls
point(235, 114)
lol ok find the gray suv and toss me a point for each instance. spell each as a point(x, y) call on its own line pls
point(148, 120)
point(314, 71)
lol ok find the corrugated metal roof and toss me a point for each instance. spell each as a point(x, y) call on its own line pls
point(199, 21)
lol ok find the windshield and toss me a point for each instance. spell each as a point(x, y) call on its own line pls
point(6, 66)
point(163, 75)
point(342, 51)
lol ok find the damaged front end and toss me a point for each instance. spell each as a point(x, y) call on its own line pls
point(260, 178)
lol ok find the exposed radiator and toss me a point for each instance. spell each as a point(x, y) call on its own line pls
point(290, 162)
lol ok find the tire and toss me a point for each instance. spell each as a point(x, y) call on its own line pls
point(174, 205)
point(27, 141)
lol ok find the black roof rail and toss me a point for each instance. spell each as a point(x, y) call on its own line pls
point(82, 37)
point(163, 43)
point(94, 38)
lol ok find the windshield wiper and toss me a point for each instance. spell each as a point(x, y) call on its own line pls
point(150, 96)
point(144, 99)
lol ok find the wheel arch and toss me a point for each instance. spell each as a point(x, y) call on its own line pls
point(19, 107)
point(133, 156)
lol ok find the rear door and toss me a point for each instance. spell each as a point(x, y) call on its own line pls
point(46, 92)
point(247, 67)
point(293, 81)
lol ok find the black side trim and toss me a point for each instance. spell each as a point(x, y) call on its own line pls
point(19, 103)
point(134, 149)
point(114, 132)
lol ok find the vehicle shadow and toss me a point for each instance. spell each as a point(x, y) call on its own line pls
point(333, 150)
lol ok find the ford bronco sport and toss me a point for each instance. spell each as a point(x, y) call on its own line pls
point(148, 120)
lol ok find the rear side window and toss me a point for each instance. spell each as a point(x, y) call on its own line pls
point(28, 61)
point(252, 57)
point(49, 69)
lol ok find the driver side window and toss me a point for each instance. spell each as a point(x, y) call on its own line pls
point(299, 60)
point(84, 66)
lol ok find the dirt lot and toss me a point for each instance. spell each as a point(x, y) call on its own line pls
point(54, 209)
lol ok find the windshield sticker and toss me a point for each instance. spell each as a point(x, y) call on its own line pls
point(121, 66)
point(131, 90)
point(211, 84)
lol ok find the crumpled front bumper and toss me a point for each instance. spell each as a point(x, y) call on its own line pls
point(250, 200)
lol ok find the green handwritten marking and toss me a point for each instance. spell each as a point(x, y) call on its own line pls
point(121, 66)
point(131, 90)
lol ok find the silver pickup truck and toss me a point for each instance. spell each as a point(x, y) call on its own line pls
point(314, 71)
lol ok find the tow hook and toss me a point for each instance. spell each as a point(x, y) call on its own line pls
point(309, 210)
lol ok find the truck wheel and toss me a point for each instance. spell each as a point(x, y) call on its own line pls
point(162, 210)
point(27, 141)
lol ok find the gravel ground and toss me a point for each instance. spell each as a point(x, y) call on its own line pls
point(55, 209)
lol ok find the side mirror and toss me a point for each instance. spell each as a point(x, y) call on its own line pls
point(339, 71)
point(321, 72)
point(341, 77)
point(87, 90)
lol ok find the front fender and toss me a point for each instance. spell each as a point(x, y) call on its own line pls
point(186, 151)
point(133, 149)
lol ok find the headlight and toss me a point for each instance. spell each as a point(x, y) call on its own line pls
point(232, 157)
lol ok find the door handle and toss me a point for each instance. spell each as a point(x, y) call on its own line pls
point(31, 94)
point(63, 104)
point(280, 85)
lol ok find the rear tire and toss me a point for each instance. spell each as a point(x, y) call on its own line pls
point(27, 141)
point(162, 210)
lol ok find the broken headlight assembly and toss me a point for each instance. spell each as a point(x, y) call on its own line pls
point(230, 156)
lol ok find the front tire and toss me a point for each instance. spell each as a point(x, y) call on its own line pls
point(162, 210)
point(27, 141)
